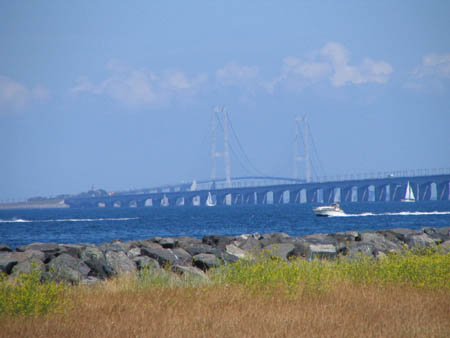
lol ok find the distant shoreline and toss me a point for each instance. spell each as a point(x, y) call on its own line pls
point(46, 204)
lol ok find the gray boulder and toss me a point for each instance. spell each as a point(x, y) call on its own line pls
point(134, 252)
point(196, 249)
point(67, 268)
point(189, 272)
point(5, 248)
point(280, 250)
point(145, 262)
point(163, 256)
point(95, 259)
point(217, 241)
point(182, 256)
point(7, 261)
point(278, 237)
point(119, 262)
point(27, 266)
point(206, 261)
point(321, 251)
point(50, 250)
point(168, 242)
point(379, 242)
point(419, 241)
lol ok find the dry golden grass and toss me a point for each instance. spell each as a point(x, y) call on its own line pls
point(347, 310)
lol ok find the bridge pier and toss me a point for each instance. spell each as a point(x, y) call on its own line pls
point(425, 191)
point(363, 194)
point(312, 195)
point(346, 194)
point(294, 196)
point(261, 197)
point(380, 193)
point(443, 191)
point(328, 195)
point(249, 198)
point(278, 197)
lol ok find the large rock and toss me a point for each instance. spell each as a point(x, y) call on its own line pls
point(189, 272)
point(27, 266)
point(95, 259)
point(217, 241)
point(235, 251)
point(74, 250)
point(379, 242)
point(5, 248)
point(7, 261)
point(119, 262)
point(67, 268)
point(168, 242)
point(277, 237)
point(116, 246)
point(280, 250)
point(50, 250)
point(206, 261)
point(196, 249)
point(182, 256)
point(321, 251)
point(145, 262)
point(185, 241)
point(248, 242)
point(419, 241)
point(163, 256)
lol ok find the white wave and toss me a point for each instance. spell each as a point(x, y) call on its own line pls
point(400, 213)
point(19, 220)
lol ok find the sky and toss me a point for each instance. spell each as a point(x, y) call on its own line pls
point(119, 95)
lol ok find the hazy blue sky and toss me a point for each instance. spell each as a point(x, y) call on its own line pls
point(119, 94)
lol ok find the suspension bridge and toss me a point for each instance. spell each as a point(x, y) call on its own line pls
point(310, 187)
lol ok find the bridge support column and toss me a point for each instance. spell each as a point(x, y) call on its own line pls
point(140, 203)
point(261, 198)
point(249, 198)
point(425, 192)
point(278, 197)
point(312, 196)
point(346, 194)
point(363, 194)
point(380, 193)
point(294, 196)
point(443, 191)
point(156, 202)
point(328, 195)
point(395, 192)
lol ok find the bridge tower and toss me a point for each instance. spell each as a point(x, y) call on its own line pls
point(301, 137)
point(220, 115)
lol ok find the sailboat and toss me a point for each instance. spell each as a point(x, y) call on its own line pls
point(409, 194)
point(209, 201)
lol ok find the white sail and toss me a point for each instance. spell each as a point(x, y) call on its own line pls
point(409, 194)
point(209, 201)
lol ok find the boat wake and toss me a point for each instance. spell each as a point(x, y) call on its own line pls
point(400, 213)
point(19, 220)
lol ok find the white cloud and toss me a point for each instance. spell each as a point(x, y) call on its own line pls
point(331, 62)
point(17, 96)
point(235, 74)
point(141, 87)
point(343, 72)
point(433, 65)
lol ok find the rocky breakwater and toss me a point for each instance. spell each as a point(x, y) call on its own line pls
point(87, 263)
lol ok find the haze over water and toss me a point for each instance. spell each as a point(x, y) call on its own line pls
point(19, 227)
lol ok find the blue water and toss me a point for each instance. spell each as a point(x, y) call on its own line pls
point(19, 227)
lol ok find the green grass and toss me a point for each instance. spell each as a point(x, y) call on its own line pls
point(425, 268)
point(27, 295)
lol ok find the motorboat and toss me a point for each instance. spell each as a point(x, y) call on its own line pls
point(329, 210)
point(409, 194)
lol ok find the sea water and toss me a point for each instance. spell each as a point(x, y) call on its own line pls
point(20, 227)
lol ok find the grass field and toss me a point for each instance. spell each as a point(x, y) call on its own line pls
point(402, 295)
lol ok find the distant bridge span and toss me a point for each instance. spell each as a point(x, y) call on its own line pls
point(280, 190)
